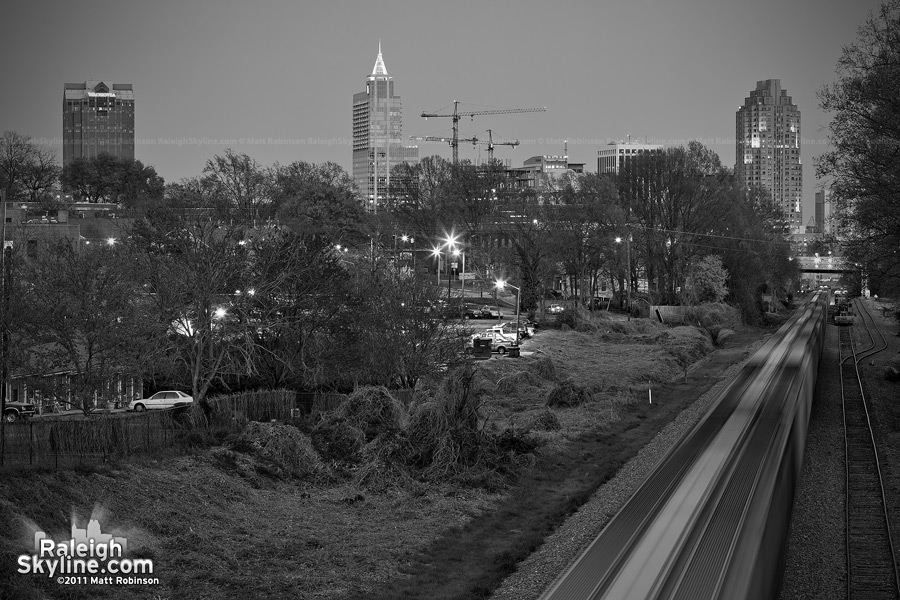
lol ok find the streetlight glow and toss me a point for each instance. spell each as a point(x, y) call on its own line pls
point(111, 241)
point(220, 313)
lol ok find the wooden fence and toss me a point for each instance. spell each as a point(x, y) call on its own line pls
point(59, 442)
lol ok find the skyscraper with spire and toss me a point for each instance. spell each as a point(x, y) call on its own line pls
point(768, 148)
point(377, 136)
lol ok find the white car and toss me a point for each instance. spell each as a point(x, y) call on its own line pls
point(166, 399)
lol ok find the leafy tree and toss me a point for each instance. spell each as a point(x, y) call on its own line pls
point(318, 200)
point(107, 178)
point(864, 165)
point(705, 281)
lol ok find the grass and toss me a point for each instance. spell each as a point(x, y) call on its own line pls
point(224, 524)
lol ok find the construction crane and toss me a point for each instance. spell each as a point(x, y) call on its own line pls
point(491, 143)
point(430, 138)
point(456, 114)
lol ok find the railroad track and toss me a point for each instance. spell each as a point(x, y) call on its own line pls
point(871, 564)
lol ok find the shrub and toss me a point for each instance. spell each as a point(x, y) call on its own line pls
point(282, 445)
point(511, 383)
point(546, 421)
point(568, 394)
point(545, 369)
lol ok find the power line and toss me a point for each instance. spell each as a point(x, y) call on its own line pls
point(712, 235)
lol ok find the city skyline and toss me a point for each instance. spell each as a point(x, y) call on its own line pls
point(279, 77)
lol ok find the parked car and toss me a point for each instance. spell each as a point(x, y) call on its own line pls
point(166, 399)
point(491, 312)
point(18, 410)
point(555, 309)
point(472, 312)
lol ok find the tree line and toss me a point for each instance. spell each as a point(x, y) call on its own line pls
point(275, 276)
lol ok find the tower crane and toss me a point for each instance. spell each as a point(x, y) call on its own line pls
point(491, 143)
point(456, 114)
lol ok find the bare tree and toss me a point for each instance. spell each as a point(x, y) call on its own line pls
point(84, 316)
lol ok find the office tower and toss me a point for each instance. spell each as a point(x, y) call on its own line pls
point(377, 136)
point(616, 154)
point(767, 154)
point(98, 117)
point(823, 211)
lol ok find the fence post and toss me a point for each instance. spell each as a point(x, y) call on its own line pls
point(30, 443)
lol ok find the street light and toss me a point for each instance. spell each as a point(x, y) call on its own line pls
point(450, 242)
point(436, 253)
point(627, 272)
point(500, 285)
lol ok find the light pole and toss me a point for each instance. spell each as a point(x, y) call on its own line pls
point(436, 253)
point(500, 285)
point(450, 242)
point(627, 272)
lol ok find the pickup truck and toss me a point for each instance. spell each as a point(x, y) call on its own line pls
point(17, 410)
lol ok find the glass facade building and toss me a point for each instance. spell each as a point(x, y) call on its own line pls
point(377, 136)
point(767, 132)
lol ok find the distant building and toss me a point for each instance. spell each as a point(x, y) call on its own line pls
point(98, 117)
point(767, 150)
point(612, 158)
point(538, 172)
point(823, 211)
point(377, 135)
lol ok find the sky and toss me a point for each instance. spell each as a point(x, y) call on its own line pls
point(275, 78)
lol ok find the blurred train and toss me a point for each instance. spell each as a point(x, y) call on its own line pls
point(712, 518)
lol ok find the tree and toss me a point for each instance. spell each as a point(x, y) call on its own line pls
point(705, 281)
point(25, 167)
point(584, 224)
point(318, 200)
point(40, 176)
point(420, 196)
point(672, 199)
point(864, 165)
point(191, 265)
point(107, 178)
point(84, 316)
point(239, 183)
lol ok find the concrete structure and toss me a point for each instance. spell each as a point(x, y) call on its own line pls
point(767, 149)
point(98, 117)
point(616, 154)
point(377, 135)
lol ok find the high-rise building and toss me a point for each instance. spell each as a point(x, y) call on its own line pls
point(377, 136)
point(98, 117)
point(767, 153)
point(823, 212)
point(616, 154)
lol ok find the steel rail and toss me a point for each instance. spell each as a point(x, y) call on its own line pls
point(871, 558)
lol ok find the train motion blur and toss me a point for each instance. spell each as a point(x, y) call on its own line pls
point(712, 518)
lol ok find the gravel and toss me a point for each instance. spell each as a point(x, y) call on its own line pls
point(815, 566)
point(564, 545)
